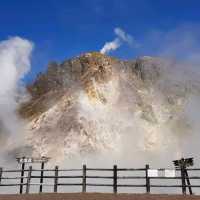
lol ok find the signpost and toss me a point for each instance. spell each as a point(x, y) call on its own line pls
point(27, 160)
point(182, 164)
point(32, 160)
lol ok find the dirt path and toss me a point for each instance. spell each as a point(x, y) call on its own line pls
point(96, 196)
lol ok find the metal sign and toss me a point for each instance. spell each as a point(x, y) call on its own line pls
point(152, 173)
point(32, 160)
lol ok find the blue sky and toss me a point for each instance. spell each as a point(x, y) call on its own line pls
point(62, 29)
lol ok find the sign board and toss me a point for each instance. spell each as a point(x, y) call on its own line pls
point(184, 162)
point(32, 160)
point(170, 173)
point(152, 173)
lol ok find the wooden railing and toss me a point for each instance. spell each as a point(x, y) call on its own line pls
point(26, 178)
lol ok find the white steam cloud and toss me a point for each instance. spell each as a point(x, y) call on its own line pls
point(111, 46)
point(122, 37)
point(14, 65)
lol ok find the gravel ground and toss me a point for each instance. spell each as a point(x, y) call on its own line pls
point(96, 196)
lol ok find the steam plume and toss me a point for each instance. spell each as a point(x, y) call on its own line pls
point(14, 65)
point(122, 37)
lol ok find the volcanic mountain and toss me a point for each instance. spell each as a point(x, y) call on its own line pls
point(93, 103)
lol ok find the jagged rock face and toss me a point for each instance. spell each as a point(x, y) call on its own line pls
point(89, 103)
point(79, 72)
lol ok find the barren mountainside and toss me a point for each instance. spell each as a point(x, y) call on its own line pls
point(89, 103)
point(82, 71)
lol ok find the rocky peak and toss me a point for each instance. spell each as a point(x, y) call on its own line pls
point(83, 71)
point(79, 69)
point(85, 103)
point(59, 78)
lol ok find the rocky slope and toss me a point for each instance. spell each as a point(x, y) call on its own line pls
point(91, 103)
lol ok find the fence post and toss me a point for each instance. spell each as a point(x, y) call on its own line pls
point(28, 180)
point(1, 172)
point(147, 179)
point(188, 182)
point(115, 179)
point(41, 176)
point(84, 179)
point(22, 178)
point(56, 179)
point(183, 180)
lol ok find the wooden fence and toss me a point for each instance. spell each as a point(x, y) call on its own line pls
point(26, 178)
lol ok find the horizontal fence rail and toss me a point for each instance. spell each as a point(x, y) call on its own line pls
point(25, 178)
